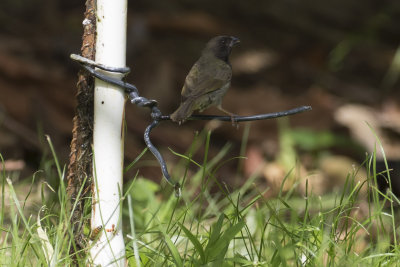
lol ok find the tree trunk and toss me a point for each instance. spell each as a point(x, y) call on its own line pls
point(80, 165)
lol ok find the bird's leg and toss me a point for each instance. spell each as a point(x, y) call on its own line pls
point(234, 122)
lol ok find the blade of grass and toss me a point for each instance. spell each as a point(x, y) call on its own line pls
point(3, 183)
point(127, 168)
point(215, 251)
point(195, 242)
point(60, 173)
point(133, 234)
point(174, 251)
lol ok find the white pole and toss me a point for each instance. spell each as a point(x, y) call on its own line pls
point(108, 249)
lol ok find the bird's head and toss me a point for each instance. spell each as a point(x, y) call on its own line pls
point(221, 46)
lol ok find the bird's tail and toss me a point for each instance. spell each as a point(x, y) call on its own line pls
point(183, 112)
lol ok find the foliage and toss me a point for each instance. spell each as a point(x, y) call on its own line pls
point(240, 227)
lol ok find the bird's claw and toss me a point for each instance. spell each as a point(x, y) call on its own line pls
point(235, 123)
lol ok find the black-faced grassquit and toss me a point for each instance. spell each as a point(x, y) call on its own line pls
point(208, 80)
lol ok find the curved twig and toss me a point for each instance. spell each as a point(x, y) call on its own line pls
point(159, 157)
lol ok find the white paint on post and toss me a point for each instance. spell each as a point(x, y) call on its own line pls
point(108, 249)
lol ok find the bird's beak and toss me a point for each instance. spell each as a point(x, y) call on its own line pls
point(234, 40)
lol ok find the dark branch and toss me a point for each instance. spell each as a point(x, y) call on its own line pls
point(135, 98)
point(246, 118)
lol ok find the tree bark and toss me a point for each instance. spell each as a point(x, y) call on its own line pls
point(80, 162)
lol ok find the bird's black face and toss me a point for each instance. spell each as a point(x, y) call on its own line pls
point(221, 46)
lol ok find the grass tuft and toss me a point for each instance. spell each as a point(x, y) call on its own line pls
point(356, 226)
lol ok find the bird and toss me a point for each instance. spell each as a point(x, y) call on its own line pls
point(208, 80)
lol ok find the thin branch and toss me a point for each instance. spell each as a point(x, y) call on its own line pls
point(265, 116)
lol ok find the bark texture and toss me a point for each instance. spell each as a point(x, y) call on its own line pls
point(80, 160)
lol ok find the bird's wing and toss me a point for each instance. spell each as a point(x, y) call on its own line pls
point(204, 78)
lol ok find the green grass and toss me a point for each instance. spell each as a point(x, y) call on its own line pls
point(224, 227)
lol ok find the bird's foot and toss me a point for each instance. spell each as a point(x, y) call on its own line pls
point(235, 123)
